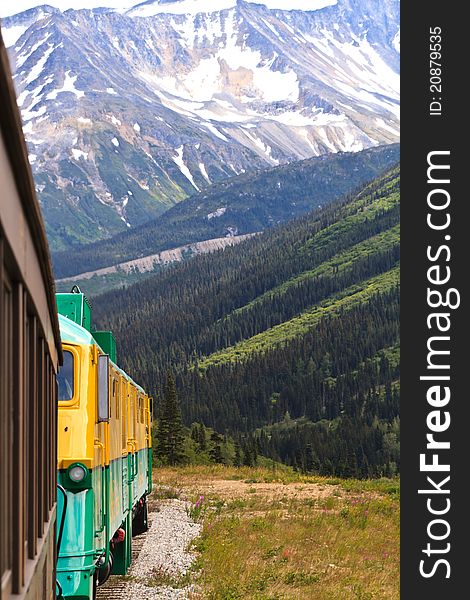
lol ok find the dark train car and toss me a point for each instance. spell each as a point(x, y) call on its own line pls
point(30, 354)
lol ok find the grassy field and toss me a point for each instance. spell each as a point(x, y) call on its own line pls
point(274, 534)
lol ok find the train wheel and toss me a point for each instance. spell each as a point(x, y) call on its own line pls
point(105, 571)
point(140, 521)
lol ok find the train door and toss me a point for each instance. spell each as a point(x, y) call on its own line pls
point(103, 415)
point(148, 420)
point(142, 443)
point(124, 422)
point(115, 467)
point(131, 437)
point(132, 414)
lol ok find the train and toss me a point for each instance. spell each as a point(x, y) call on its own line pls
point(104, 455)
point(30, 356)
point(75, 429)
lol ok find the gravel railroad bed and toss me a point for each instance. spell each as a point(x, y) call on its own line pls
point(162, 550)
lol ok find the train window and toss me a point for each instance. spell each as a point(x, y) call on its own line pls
point(112, 408)
point(117, 397)
point(124, 414)
point(65, 377)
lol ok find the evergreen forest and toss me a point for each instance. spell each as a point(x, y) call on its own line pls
point(288, 343)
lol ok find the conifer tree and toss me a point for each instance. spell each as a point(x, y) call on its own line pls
point(215, 452)
point(201, 438)
point(237, 461)
point(194, 431)
point(247, 457)
point(170, 436)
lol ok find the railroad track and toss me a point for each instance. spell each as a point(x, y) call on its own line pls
point(116, 588)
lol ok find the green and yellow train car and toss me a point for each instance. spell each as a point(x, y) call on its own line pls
point(104, 455)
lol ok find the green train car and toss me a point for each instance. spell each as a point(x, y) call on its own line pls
point(104, 455)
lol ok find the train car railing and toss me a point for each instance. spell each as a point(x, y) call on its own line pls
point(59, 595)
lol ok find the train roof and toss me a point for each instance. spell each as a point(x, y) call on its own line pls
point(76, 334)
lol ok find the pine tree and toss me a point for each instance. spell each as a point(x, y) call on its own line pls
point(201, 438)
point(237, 461)
point(247, 457)
point(309, 459)
point(215, 452)
point(170, 436)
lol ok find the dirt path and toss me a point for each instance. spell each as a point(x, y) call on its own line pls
point(227, 489)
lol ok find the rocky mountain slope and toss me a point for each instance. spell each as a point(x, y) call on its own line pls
point(245, 204)
point(127, 273)
point(127, 111)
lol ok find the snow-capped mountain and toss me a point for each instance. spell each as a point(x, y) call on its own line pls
point(128, 110)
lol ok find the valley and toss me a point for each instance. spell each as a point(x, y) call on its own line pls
point(220, 178)
point(289, 341)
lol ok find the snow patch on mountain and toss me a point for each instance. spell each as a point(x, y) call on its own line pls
point(381, 123)
point(217, 213)
point(38, 68)
point(182, 7)
point(261, 146)
point(304, 5)
point(177, 7)
point(215, 131)
point(23, 56)
point(67, 86)
point(18, 6)
point(114, 120)
point(77, 154)
point(396, 41)
point(363, 64)
point(178, 159)
point(234, 68)
point(31, 114)
point(29, 99)
point(202, 168)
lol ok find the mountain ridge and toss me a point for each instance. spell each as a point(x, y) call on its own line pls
point(153, 108)
point(241, 205)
